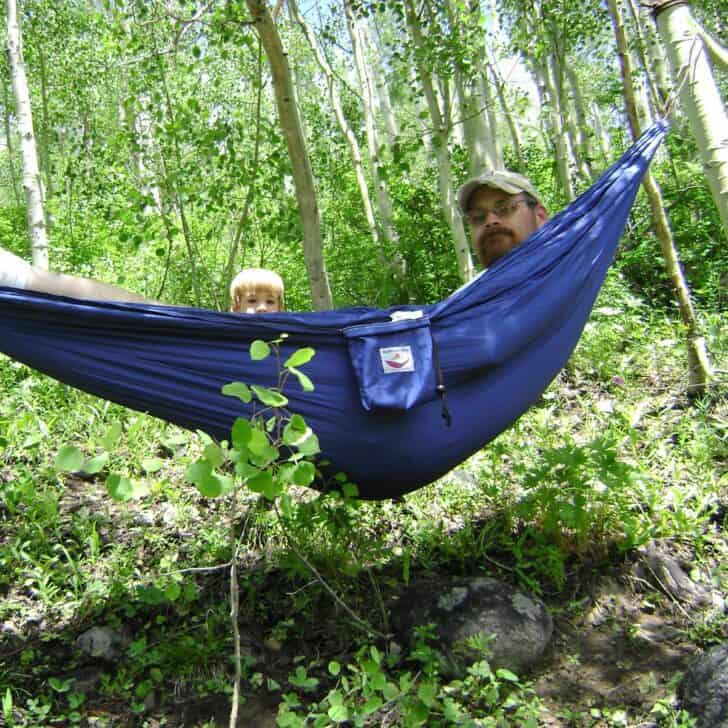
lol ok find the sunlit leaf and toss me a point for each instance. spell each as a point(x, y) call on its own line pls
point(199, 470)
point(239, 390)
point(299, 357)
point(259, 350)
point(303, 380)
point(120, 487)
point(95, 465)
point(269, 396)
point(69, 459)
point(151, 465)
point(241, 433)
point(111, 436)
point(259, 482)
point(304, 473)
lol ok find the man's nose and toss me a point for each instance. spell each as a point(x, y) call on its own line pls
point(491, 218)
point(261, 307)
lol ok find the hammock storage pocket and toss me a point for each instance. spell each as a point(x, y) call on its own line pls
point(393, 361)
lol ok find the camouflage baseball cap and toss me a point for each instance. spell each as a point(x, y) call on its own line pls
point(501, 179)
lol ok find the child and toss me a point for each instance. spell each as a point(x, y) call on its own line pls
point(254, 290)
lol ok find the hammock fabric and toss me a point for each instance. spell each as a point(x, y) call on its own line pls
point(494, 345)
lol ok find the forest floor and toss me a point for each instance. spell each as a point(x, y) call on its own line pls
point(607, 500)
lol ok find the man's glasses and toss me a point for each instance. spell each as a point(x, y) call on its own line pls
point(502, 211)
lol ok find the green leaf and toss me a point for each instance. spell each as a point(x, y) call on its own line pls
point(293, 435)
point(258, 441)
point(152, 465)
point(214, 485)
point(60, 686)
point(173, 591)
point(334, 668)
point(120, 487)
point(199, 470)
point(261, 480)
point(310, 446)
point(68, 459)
point(241, 433)
point(95, 465)
point(304, 473)
point(259, 350)
point(112, 435)
point(350, 490)
point(270, 397)
point(239, 390)
point(426, 694)
point(504, 674)
point(299, 357)
point(372, 705)
point(338, 713)
point(303, 380)
point(214, 454)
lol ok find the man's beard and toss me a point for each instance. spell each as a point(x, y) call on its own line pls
point(484, 253)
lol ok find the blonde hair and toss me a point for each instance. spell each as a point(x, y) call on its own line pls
point(256, 279)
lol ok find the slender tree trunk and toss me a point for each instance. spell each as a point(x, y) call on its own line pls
point(700, 97)
point(297, 151)
point(380, 89)
point(10, 149)
point(499, 84)
point(45, 152)
point(699, 367)
point(582, 130)
point(440, 133)
point(396, 264)
point(32, 183)
point(368, 94)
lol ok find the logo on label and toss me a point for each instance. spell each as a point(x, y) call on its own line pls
point(397, 359)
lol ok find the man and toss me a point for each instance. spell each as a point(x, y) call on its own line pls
point(502, 209)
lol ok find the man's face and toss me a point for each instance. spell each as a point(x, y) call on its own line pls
point(494, 235)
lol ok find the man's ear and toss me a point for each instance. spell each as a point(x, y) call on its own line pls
point(542, 214)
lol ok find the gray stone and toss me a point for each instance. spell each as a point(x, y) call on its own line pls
point(667, 574)
point(101, 642)
point(703, 691)
point(461, 608)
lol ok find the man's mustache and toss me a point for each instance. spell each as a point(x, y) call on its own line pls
point(498, 230)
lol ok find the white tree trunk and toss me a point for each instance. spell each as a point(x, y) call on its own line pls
point(380, 90)
point(32, 183)
point(699, 367)
point(397, 265)
point(297, 151)
point(368, 94)
point(440, 134)
point(699, 96)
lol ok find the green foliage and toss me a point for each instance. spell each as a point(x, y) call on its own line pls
point(377, 688)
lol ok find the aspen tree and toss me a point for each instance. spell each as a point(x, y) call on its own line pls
point(440, 134)
point(292, 127)
point(32, 183)
point(699, 96)
point(699, 367)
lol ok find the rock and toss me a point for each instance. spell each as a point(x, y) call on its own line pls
point(703, 691)
point(101, 642)
point(665, 573)
point(462, 608)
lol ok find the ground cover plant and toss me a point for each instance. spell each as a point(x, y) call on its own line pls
point(101, 526)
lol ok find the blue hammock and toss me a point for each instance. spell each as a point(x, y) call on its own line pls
point(402, 395)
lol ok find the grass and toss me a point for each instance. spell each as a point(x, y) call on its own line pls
point(614, 455)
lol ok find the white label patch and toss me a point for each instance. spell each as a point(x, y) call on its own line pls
point(397, 359)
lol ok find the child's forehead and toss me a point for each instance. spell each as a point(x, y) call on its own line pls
point(260, 289)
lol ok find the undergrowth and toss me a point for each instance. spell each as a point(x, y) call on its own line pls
point(612, 456)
